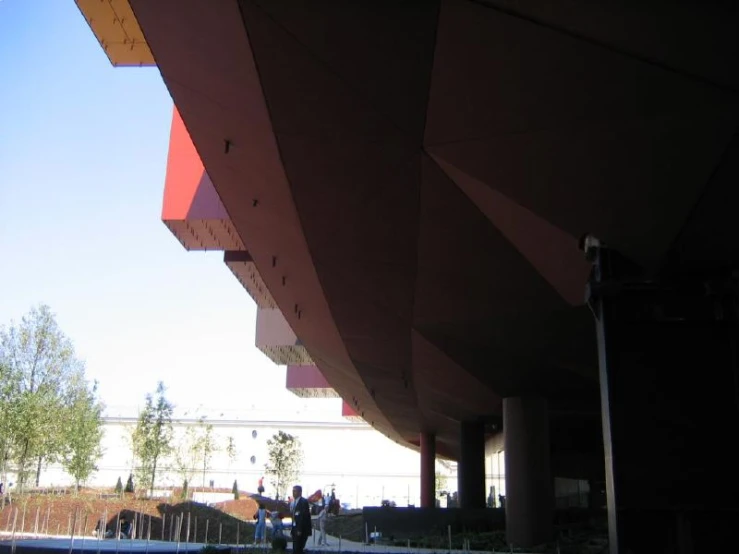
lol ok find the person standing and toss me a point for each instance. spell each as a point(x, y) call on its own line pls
point(302, 527)
point(260, 532)
point(322, 522)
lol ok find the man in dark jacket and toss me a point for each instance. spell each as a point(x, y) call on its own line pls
point(302, 527)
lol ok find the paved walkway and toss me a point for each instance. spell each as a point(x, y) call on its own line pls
point(52, 544)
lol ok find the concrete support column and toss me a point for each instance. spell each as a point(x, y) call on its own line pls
point(471, 467)
point(529, 502)
point(428, 470)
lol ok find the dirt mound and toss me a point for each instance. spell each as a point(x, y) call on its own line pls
point(243, 508)
point(61, 512)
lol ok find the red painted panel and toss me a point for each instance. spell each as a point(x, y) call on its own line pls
point(184, 172)
point(188, 191)
point(347, 410)
point(305, 377)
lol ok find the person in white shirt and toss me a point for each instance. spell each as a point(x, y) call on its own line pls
point(322, 522)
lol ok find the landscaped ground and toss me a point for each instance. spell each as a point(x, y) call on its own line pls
point(232, 522)
point(62, 511)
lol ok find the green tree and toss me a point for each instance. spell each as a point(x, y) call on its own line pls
point(37, 365)
point(83, 432)
point(235, 490)
point(129, 484)
point(118, 486)
point(231, 451)
point(285, 455)
point(8, 414)
point(439, 483)
point(153, 436)
point(185, 454)
point(442, 475)
point(206, 445)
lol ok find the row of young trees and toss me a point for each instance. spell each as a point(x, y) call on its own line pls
point(155, 447)
point(49, 412)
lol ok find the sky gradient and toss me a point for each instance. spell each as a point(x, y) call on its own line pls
point(83, 150)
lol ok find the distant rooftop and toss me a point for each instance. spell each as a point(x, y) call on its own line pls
point(321, 411)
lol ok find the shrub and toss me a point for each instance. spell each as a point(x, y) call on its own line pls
point(129, 483)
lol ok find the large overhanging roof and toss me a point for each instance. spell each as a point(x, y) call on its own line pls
point(411, 178)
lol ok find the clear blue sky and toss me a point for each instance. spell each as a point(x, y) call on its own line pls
point(83, 150)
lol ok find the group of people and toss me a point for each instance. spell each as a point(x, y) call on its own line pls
point(302, 525)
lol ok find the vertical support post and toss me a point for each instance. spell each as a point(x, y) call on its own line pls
point(428, 467)
point(667, 352)
point(471, 468)
point(529, 504)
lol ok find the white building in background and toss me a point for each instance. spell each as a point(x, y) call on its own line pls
point(363, 465)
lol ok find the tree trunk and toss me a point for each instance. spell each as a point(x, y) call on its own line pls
point(205, 462)
point(22, 466)
point(38, 470)
point(4, 467)
point(153, 476)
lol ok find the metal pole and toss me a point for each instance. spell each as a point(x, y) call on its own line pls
point(84, 532)
point(179, 529)
point(15, 520)
point(101, 531)
point(148, 535)
point(71, 538)
point(117, 531)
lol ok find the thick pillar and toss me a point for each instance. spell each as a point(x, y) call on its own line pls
point(428, 470)
point(471, 466)
point(529, 500)
point(670, 406)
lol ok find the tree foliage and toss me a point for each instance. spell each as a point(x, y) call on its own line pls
point(231, 451)
point(285, 454)
point(129, 484)
point(441, 477)
point(153, 436)
point(185, 454)
point(83, 433)
point(206, 445)
point(193, 450)
point(42, 383)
